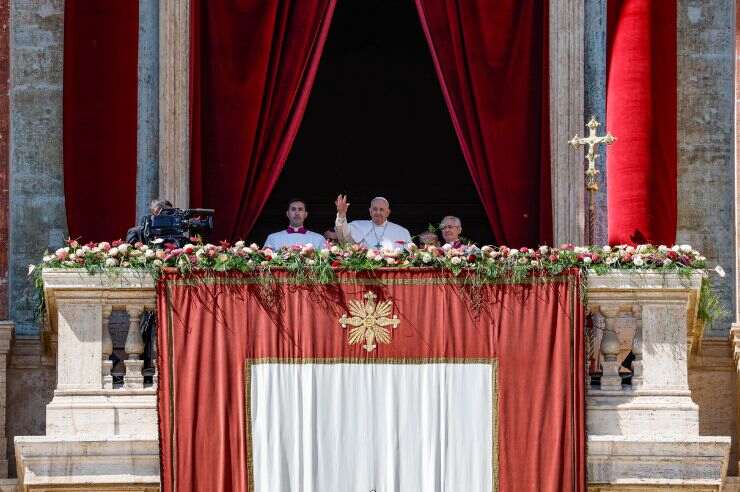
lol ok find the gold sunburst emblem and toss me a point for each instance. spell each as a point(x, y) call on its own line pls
point(369, 321)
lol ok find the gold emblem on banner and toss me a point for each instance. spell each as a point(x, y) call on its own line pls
point(369, 321)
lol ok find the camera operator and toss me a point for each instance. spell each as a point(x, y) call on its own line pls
point(136, 234)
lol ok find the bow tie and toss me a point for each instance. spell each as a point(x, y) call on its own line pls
point(300, 230)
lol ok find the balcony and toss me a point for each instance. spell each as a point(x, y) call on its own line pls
point(643, 427)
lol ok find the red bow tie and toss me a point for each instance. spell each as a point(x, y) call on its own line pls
point(300, 230)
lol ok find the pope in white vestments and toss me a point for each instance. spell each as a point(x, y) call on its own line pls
point(378, 232)
point(296, 233)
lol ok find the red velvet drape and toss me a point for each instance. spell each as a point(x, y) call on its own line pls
point(99, 121)
point(641, 113)
point(253, 65)
point(492, 63)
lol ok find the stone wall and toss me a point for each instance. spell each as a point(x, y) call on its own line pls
point(37, 214)
point(706, 152)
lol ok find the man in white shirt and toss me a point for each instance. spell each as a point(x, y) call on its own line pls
point(375, 233)
point(296, 233)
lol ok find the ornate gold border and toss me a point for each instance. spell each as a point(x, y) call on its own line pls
point(248, 363)
point(250, 278)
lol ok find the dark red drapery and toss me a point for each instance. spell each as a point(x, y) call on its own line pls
point(641, 113)
point(492, 63)
point(253, 65)
point(99, 122)
point(209, 329)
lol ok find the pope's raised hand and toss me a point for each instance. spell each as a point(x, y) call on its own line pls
point(342, 205)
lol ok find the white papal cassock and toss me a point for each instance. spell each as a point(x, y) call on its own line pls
point(290, 237)
point(367, 233)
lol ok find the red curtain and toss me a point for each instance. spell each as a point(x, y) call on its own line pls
point(492, 63)
point(253, 65)
point(99, 121)
point(210, 330)
point(641, 113)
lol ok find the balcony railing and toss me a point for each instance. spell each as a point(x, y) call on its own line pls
point(642, 424)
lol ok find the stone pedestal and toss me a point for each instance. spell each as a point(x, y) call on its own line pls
point(99, 436)
point(645, 435)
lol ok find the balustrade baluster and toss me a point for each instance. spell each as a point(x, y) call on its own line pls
point(107, 348)
point(134, 379)
point(637, 347)
point(610, 378)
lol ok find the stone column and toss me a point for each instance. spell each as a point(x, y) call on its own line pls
point(37, 213)
point(706, 189)
point(566, 119)
point(174, 124)
point(594, 99)
point(147, 132)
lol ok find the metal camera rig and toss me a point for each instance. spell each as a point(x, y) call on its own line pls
point(177, 225)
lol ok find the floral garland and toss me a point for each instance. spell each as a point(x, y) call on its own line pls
point(310, 264)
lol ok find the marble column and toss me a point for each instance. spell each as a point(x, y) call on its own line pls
point(706, 145)
point(594, 98)
point(147, 131)
point(174, 124)
point(566, 119)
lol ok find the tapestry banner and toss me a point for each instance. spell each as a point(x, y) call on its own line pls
point(386, 380)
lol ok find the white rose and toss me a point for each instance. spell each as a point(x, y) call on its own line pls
point(637, 260)
point(390, 261)
point(324, 253)
point(685, 248)
point(629, 249)
point(113, 252)
point(447, 247)
point(157, 263)
point(663, 249)
point(48, 258)
point(587, 260)
point(149, 253)
point(607, 249)
point(111, 262)
point(701, 258)
point(426, 257)
point(370, 254)
point(239, 244)
point(676, 248)
point(79, 253)
point(641, 248)
point(579, 249)
point(544, 250)
point(378, 257)
point(254, 246)
point(335, 249)
point(611, 260)
point(667, 262)
point(123, 247)
point(310, 261)
point(455, 260)
point(513, 252)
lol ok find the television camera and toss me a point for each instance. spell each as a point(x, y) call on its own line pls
point(177, 225)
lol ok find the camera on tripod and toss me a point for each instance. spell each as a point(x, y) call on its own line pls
point(177, 225)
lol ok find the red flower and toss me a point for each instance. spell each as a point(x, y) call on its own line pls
point(471, 258)
point(225, 244)
point(116, 243)
point(336, 263)
point(553, 258)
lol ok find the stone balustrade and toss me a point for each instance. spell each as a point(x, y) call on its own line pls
point(101, 430)
point(642, 424)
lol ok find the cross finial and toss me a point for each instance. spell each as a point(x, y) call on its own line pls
point(592, 184)
point(592, 141)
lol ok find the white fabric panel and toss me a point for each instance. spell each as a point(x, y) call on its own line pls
point(363, 427)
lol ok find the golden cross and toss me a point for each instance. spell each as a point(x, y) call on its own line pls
point(592, 141)
point(592, 184)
